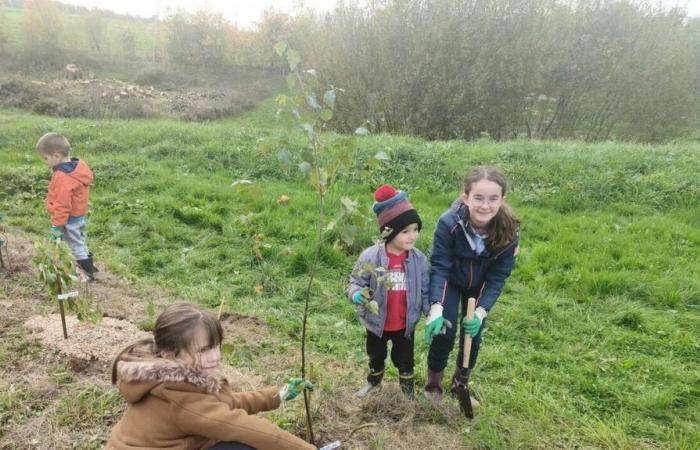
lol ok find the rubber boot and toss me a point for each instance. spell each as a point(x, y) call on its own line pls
point(455, 380)
point(374, 383)
point(406, 383)
point(88, 268)
point(94, 267)
point(433, 388)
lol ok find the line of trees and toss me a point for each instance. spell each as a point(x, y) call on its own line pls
point(585, 69)
point(42, 34)
point(200, 38)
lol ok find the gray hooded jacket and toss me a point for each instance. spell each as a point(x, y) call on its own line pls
point(417, 287)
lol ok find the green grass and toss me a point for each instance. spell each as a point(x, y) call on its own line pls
point(595, 341)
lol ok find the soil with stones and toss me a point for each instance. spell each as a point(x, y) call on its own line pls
point(157, 92)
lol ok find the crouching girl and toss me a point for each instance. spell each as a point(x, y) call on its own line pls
point(176, 399)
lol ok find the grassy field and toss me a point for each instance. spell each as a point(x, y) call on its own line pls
point(595, 342)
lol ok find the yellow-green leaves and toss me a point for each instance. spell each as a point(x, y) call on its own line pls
point(293, 58)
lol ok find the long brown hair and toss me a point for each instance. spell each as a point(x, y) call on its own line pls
point(503, 228)
point(173, 333)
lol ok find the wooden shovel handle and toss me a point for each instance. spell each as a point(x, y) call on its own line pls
point(471, 305)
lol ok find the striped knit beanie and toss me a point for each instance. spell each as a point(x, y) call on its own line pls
point(394, 211)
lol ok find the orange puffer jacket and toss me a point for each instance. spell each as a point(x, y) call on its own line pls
point(68, 192)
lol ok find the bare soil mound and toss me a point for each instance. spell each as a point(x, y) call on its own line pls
point(152, 93)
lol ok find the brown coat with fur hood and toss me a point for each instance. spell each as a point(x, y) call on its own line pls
point(172, 406)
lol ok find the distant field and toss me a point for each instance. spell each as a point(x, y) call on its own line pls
point(595, 342)
point(74, 37)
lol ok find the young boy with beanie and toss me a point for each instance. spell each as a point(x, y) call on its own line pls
point(394, 274)
point(67, 197)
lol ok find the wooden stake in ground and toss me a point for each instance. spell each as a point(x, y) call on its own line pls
point(60, 304)
point(3, 248)
point(221, 308)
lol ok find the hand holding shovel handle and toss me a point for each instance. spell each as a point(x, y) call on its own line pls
point(463, 397)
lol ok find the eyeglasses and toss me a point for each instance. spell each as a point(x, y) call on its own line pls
point(485, 201)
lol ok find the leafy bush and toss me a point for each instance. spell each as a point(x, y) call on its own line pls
point(592, 70)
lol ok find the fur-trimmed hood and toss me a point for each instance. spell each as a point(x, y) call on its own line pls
point(139, 371)
point(173, 406)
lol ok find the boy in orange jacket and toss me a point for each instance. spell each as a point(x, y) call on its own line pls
point(67, 197)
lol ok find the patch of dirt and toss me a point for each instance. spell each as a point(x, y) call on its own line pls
point(120, 300)
point(18, 252)
point(246, 328)
point(92, 343)
point(146, 96)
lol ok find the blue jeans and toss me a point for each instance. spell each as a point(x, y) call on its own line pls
point(74, 236)
point(442, 345)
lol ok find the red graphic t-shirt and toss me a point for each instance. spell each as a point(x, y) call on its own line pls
point(396, 294)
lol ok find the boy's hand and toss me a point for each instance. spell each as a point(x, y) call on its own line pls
point(357, 297)
point(433, 324)
point(295, 386)
point(56, 234)
point(361, 295)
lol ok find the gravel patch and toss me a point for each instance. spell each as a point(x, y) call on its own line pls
point(86, 341)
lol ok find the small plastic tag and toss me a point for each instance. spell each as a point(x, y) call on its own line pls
point(331, 446)
point(67, 295)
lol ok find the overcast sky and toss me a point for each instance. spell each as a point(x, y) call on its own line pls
point(245, 13)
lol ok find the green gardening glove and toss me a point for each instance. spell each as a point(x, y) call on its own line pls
point(472, 326)
point(56, 234)
point(295, 386)
point(434, 322)
point(357, 297)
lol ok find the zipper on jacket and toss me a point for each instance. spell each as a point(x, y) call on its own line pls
point(471, 269)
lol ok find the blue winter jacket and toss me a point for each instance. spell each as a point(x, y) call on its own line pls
point(454, 260)
point(417, 285)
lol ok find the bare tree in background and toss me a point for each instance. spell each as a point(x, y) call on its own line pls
point(94, 25)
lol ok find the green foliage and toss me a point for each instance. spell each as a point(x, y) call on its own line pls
point(94, 27)
point(88, 406)
point(197, 38)
point(54, 262)
point(85, 309)
point(303, 104)
point(344, 229)
point(42, 27)
point(127, 42)
point(592, 70)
